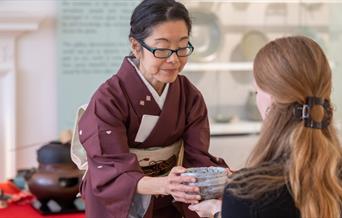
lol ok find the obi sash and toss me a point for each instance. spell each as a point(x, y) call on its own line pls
point(154, 161)
point(158, 161)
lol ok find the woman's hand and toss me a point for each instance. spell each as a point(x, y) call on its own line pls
point(207, 208)
point(176, 185)
point(229, 171)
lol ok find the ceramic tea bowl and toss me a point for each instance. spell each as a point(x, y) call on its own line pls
point(210, 180)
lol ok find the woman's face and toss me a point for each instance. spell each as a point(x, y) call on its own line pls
point(170, 35)
point(263, 100)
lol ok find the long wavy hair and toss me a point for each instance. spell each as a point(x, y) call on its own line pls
point(306, 160)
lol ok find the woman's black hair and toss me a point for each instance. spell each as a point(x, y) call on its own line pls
point(152, 12)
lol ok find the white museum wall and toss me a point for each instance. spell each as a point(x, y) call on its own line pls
point(35, 56)
point(37, 88)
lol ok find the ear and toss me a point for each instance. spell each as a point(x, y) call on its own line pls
point(135, 47)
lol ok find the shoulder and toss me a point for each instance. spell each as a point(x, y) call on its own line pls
point(187, 85)
point(189, 89)
point(114, 87)
point(277, 203)
point(109, 90)
point(261, 190)
point(110, 97)
point(233, 206)
point(192, 98)
point(109, 85)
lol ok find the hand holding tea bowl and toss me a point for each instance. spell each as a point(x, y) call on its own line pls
point(210, 181)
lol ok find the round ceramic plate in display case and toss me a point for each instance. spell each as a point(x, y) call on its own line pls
point(206, 36)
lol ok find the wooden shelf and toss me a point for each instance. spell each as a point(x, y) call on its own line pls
point(235, 128)
point(18, 21)
point(228, 66)
point(216, 66)
point(288, 28)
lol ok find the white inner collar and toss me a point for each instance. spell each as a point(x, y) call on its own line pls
point(160, 99)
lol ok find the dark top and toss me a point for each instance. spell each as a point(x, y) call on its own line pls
point(277, 204)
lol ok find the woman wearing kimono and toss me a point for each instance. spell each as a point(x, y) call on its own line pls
point(145, 120)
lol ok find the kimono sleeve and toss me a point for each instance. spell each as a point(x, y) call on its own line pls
point(197, 133)
point(113, 172)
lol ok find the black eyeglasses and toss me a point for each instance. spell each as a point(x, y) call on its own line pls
point(165, 52)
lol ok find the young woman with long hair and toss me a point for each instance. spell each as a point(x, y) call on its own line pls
point(294, 169)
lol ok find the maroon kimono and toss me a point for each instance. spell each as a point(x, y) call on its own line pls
point(109, 127)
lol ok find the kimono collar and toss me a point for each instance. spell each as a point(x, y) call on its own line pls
point(160, 99)
point(137, 92)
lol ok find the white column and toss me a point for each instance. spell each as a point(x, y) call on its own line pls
point(8, 105)
point(12, 24)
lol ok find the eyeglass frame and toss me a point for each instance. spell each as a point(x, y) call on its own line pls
point(153, 50)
